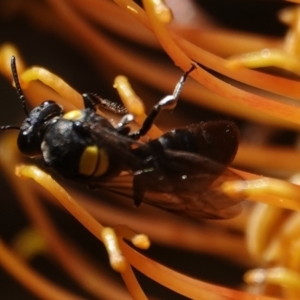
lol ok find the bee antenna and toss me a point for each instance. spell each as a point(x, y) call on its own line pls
point(17, 83)
point(9, 127)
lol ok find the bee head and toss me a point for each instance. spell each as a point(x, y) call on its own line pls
point(32, 130)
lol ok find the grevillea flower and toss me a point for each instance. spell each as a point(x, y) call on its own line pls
point(121, 37)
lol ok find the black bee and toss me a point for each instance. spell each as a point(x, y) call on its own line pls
point(179, 172)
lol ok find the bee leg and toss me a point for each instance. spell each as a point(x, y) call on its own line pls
point(121, 126)
point(168, 102)
point(181, 82)
point(138, 189)
point(138, 185)
point(92, 101)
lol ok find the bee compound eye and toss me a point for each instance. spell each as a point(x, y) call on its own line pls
point(29, 143)
point(33, 128)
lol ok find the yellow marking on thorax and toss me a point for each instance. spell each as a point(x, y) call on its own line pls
point(94, 162)
point(73, 115)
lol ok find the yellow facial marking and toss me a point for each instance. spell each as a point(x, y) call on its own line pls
point(73, 115)
point(94, 162)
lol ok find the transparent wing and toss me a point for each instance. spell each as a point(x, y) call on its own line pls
point(201, 202)
point(197, 192)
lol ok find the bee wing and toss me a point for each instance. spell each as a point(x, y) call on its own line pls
point(194, 180)
point(116, 142)
point(199, 202)
point(197, 193)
